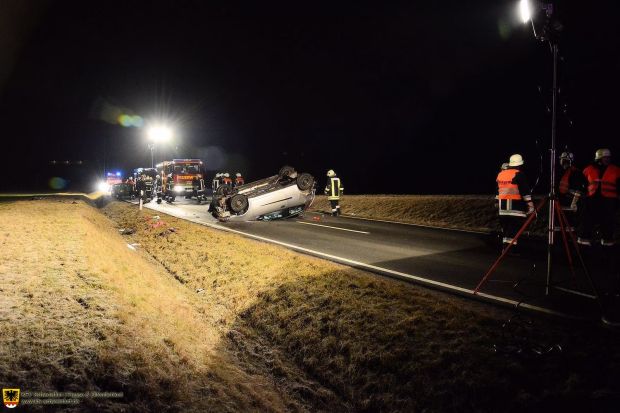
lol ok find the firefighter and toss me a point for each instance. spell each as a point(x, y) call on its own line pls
point(333, 190)
point(601, 200)
point(216, 181)
point(226, 179)
point(239, 179)
point(141, 186)
point(515, 200)
point(570, 188)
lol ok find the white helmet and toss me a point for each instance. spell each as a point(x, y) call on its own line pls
point(601, 153)
point(331, 173)
point(217, 175)
point(568, 156)
point(238, 174)
point(515, 160)
point(226, 174)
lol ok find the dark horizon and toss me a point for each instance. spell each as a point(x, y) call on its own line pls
point(399, 98)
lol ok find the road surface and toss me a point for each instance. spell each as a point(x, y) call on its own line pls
point(445, 259)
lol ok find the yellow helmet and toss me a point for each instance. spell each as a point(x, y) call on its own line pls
point(331, 173)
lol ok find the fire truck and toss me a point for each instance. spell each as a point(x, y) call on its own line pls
point(181, 177)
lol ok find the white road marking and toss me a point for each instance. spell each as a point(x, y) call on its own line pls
point(408, 223)
point(381, 270)
point(327, 226)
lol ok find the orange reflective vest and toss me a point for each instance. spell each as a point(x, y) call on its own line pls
point(506, 189)
point(564, 187)
point(607, 183)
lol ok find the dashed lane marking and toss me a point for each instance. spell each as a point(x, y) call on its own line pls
point(327, 226)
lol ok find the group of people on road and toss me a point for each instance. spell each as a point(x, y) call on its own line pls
point(223, 178)
point(588, 197)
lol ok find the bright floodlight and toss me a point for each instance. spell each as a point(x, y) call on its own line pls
point(103, 186)
point(160, 134)
point(524, 9)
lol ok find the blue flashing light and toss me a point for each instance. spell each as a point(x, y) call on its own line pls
point(118, 174)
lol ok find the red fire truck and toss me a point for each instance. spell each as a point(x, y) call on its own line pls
point(181, 177)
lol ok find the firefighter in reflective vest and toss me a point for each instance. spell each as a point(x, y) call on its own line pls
point(216, 181)
point(333, 190)
point(515, 201)
point(601, 200)
point(239, 179)
point(226, 179)
point(570, 189)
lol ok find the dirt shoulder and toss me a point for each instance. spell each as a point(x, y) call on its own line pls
point(200, 320)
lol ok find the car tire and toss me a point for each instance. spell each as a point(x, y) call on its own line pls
point(224, 190)
point(286, 171)
point(305, 181)
point(239, 203)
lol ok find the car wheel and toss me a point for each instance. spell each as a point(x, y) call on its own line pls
point(159, 200)
point(305, 181)
point(286, 171)
point(223, 190)
point(239, 203)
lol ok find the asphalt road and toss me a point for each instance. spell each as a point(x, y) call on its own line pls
point(445, 259)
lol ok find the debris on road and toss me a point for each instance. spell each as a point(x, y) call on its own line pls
point(127, 231)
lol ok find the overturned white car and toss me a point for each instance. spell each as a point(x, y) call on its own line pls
point(283, 195)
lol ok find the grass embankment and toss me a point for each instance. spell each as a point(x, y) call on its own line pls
point(471, 212)
point(468, 212)
point(200, 320)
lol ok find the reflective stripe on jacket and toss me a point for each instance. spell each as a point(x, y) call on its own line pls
point(511, 208)
point(333, 190)
point(607, 184)
point(506, 188)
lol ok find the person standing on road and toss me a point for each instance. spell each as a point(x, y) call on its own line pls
point(570, 188)
point(603, 179)
point(226, 179)
point(515, 199)
point(216, 182)
point(333, 190)
point(239, 179)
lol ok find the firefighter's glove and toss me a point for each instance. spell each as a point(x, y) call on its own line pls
point(573, 204)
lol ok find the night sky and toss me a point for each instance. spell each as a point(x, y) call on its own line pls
point(397, 97)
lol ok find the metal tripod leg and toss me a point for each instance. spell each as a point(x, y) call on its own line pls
point(583, 266)
point(563, 224)
point(527, 222)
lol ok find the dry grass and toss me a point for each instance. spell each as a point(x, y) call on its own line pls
point(269, 329)
point(83, 312)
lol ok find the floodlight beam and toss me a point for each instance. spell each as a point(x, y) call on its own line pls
point(160, 134)
point(524, 10)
